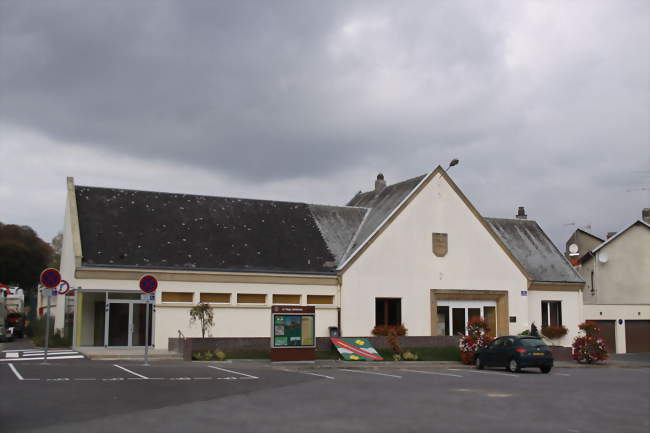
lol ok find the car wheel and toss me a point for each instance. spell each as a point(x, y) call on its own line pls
point(546, 369)
point(479, 364)
point(513, 366)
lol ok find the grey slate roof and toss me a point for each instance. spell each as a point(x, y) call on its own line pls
point(163, 230)
point(534, 250)
point(381, 204)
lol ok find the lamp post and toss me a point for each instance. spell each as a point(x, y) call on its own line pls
point(453, 162)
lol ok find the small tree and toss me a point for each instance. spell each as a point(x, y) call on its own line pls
point(203, 313)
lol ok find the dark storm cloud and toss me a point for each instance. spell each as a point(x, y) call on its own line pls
point(545, 103)
point(253, 88)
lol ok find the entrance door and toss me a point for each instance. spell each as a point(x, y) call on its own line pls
point(126, 323)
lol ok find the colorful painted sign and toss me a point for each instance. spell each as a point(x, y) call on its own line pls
point(356, 349)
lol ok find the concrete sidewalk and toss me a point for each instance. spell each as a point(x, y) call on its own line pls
point(131, 353)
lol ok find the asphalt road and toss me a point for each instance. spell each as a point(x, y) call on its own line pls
point(174, 396)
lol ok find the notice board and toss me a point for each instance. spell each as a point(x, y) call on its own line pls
point(293, 332)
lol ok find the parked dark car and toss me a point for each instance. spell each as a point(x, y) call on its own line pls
point(515, 353)
point(16, 321)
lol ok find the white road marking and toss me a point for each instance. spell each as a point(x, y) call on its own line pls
point(18, 375)
point(371, 372)
point(12, 355)
point(498, 395)
point(235, 372)
point(484, 372)
point(52, 352)
point(202, 378)
point(562, 374)
point(49, 358)
point(85, 378)
point(132, 372)
point(309, 373)
point(436, 373)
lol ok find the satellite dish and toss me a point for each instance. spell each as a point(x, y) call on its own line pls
point(573, 248)
point(603, 258)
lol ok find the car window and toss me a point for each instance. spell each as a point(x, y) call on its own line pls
point(532, 342)
point(496, 343)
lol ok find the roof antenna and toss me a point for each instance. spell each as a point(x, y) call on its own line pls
point(452, 163)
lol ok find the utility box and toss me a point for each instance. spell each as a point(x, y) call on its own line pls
point(293, 333)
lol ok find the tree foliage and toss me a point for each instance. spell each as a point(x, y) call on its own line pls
point(203, 313)
point(57, 244)
point(23, 255)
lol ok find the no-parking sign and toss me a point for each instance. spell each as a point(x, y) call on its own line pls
point(148, 283)
point(63, 287)
point(50, 278)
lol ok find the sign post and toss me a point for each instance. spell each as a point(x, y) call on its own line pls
point(50, 278)
point(148, 284)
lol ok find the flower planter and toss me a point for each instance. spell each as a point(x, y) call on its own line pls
point(467, 357)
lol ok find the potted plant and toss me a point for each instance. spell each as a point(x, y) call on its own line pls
point(589, 347)
point(477, 338)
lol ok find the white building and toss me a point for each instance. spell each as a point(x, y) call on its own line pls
point(416, 252)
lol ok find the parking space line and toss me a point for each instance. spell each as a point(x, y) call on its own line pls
point(484, 372)
point(436, 373)
point(132, 372)
point(370, 372)
point(234, 372)
point(36, 358)
point(18, 375)
point(309, 373)
point(85, 378)
point(561, 374)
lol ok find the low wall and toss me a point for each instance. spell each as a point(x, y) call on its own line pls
point(187, 346)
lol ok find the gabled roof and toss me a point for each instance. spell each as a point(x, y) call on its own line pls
point(591, 253)
point(380, 204)
point(598, 238)
point(127, 228)
point(534, 250)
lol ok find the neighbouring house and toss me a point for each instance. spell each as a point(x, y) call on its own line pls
point(584, 242)
point(415, 252)
point(617, 289)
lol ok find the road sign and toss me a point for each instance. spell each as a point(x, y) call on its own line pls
point(147, 297)
point(63, 287)
point(148, 283)
point(50, 278)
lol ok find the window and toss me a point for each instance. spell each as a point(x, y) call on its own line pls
point(320, 299)
point(215, 298)
point(249, 298)
point(551, 313)
point(286, 299)
point(177, 297)
point(388, 312)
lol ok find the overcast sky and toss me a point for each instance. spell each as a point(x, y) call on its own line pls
point(546, 104)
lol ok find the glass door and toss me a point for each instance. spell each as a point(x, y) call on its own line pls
point(126, 323)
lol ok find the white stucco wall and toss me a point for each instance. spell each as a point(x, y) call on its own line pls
point(572, 314)
point(400, 263)
point(66, 268)
point(230, 320)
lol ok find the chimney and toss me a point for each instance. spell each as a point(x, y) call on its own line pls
point(645, 214)
point(380, 183)
point(521, 213)
point(610, 234)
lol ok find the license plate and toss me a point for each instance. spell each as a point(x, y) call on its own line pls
point(538, 353)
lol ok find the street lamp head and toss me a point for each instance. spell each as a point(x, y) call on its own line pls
point(452, 163)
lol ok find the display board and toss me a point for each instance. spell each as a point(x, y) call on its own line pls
point(293, 327)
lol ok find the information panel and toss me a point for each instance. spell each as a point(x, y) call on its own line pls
point(293, 327)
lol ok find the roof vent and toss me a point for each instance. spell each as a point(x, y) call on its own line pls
point(380, 183)
point(521, 213)
point(645, 214)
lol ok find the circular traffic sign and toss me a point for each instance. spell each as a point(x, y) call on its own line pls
point(63, 287)
point(50, 278)
point(148, 283)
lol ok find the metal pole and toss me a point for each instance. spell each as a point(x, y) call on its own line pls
point(47, 324)
point(146, 333)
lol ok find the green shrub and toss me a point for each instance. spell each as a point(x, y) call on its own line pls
point(37, 330)
point(397, 357)
point(409, 356)
point(207, 356)
point(196, 356)
point(219, 355)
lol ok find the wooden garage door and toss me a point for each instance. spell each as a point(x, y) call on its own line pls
point(608, 331)
point(637, 335)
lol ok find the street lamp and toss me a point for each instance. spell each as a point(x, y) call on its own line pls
point(452, 163)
